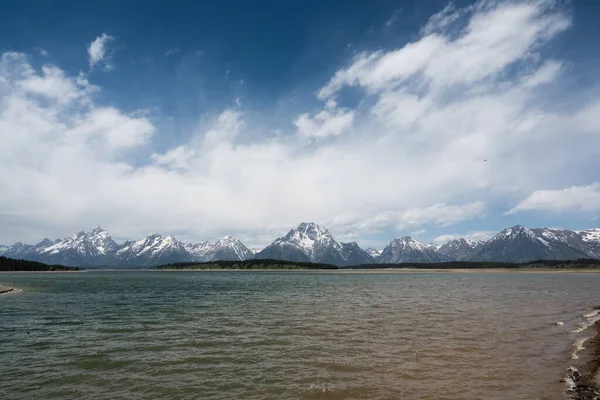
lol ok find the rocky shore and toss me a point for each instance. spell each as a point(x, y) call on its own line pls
point(586, 381)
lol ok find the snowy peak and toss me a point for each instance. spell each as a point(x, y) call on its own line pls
point(459, 249)
point(256, 250)
point(410, 243)
point(514, 232)
point(152, 250)
point(198, 250)
point(228, 248)
point(405, 249)
point(309, 236)
point(311, 242)
point(590, 235)
point(373, 252)
point(95, 243)
point(151, 245)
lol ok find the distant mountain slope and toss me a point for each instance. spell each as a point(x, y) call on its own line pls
point(460, 249)
point(520, 244)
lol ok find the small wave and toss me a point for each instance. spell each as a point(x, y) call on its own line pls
point(12, 291)
point(592, 314)
point(586, 324)
point(578, 346)
point(559, 323)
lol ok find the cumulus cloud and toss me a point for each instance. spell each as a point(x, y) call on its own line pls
point(583, 198)
point(98, 51)
point(410, 157)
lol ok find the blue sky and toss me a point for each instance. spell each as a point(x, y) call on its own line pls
point(200, 119)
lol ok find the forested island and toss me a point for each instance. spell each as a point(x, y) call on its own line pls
point(557, 264)
point(10, 264)
point(248, 264)
point(279, 264)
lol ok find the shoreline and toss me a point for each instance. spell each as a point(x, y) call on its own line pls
point(388, 270)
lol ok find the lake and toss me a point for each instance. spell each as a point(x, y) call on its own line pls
point(293, 335)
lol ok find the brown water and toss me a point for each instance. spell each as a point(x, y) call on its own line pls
point(291, 335)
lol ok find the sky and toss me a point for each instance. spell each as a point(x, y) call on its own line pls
point(373, 119)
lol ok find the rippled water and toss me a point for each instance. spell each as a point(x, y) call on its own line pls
point(290, 335)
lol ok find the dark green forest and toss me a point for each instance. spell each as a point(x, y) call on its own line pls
point(10, 264)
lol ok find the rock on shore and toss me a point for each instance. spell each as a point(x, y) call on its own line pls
point(5, 289)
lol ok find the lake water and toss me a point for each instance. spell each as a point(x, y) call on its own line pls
point(292, 335)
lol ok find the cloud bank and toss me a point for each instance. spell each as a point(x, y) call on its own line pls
point(472, 87)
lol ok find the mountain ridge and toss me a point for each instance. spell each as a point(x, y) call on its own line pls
point(309, 242)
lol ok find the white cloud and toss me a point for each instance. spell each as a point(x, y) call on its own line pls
point(493, 39)
point(171, 51)
point(98, 51)
point(43, 52)
point(329, 122)
point(440, 215)
point(583, 198)
point(178, 157)
point(410, 157)
point(114, 128)
point(54, 85)
point(418, 233)
point(547, 73)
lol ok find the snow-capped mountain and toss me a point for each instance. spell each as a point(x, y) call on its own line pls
point(405, 249)
point(520, 244)
point(92, 248)
point(373, 252)
point(310, 242)
point(228, 248)
point(17, 250)
point(590, 242)
point(97, 248)
point(459, 249)
point(152, 250)
point(83, 249)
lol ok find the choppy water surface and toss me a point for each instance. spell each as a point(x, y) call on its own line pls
point(290, 335)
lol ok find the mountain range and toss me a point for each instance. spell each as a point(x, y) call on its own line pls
point(309, 242)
